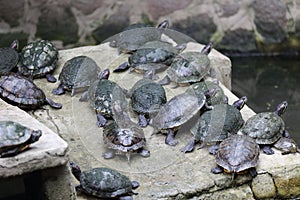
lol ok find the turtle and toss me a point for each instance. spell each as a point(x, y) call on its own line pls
point(177, 111)
point(77, 74)
point(237, 154)
point(134, 36)
point(286, 145)
point(218, 98)
point(9, 58)
point(103, 182)
point(123, 136)
point(15, 138)
point(101, 94)
point(216, 125)
point(38, 59)
point(188, 67)
point(151, 57)
point(266, 127)
point(147, 97)
point(22, 92)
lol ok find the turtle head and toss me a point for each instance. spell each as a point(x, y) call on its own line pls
point(239, 104)
point(15, 45)
point(76, 171)
point(105, 74)
point(35, 136)
point(209, 93)
point(163, 25)
point(281, 108)
point(207, 48)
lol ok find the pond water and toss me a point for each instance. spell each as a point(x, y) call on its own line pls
point(267, 81)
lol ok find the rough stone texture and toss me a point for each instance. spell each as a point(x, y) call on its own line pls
point(273, 23)
point(263, 186)
point(49, 151)
point(270, 20)
point(167, 173)
point(57, 23)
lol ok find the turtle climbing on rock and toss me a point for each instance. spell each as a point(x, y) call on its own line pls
point(15, 138)
point(9, 58)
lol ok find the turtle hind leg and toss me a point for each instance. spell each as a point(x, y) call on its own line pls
point(123, 67)
point(189, 147)
point(267, 150)
point(59, 90)
point(216, 170)
point(253, 172)
point(170, 139)
point(101, 120)
point(53, 104)
point(50, 78)
point(213, 149)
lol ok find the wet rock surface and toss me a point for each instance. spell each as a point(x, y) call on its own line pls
point(167, 173)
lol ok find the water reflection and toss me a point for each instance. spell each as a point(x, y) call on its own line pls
point(267, 81)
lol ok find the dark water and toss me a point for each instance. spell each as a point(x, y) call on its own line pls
point(267, 81)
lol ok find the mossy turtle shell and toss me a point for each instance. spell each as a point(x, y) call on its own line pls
point(147, 97)
point(199, 88)
point(105, 183)
point(237, 153)
point(177, 111)
point(217, 124)
point(21, 91)
point(265, 127)
point(101, 94)
point(9, 58)
point(189, 67)
point(13, 134)
point(78, 73)
point(38, 58)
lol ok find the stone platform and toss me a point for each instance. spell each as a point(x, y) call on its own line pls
point(167, 173)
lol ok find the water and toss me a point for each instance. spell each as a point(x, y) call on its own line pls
point(267, 81)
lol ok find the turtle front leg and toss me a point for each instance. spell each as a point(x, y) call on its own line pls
point(165, 81)
point(123, 67)
point(10, 153)
point(216, 170)
point(143, 121)
point(213, 149)
point(189, 147)
point(101, 120)
point(53, 104)
point(150, 74)
point(144, 153)
point(267, 150)
point(50, 78)
point(59, 90)
point(170, 139)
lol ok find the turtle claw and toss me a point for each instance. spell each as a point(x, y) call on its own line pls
point(53, 104)
point(267, 150)
point(213, 149)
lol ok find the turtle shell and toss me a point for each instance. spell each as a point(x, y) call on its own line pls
point(78, 73)
point(153, 55)
point(101, 93)
point(217, 124)
point(177, 111)
point(124, 136)
point(237, 153)
point(147, 97)
point(8, 60)
point(38, 58)
point(265, 127)
point(199, 88)
point(105, 183)
point(21, 91)
point(13, 134)
point(189, 67)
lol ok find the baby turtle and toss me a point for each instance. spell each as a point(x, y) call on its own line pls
point(77, 75)
point(134, 37)
point(15, 138)
point(101, 94)
point(9, 58)
point(147, 97)
point(104, 183)
point(218, 97)
point(38, 59)
point(216, 125)
point(188, 67)
point(286, 145)
point(237, 154)
point(266, 128)
point(123, 136)
point(178, 111)
point(151, 57)
point(22, 92)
